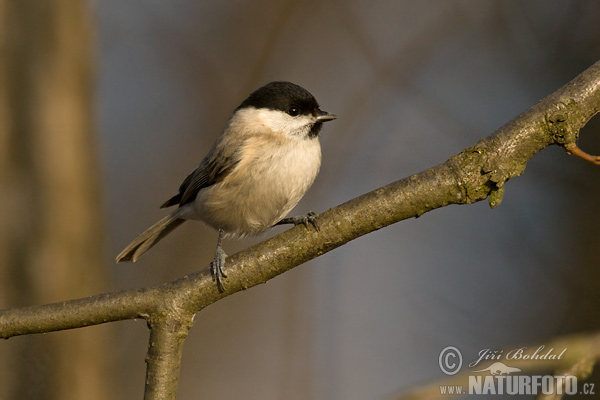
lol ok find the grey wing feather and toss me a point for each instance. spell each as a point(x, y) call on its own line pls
point(198, 179)
point(215, 166)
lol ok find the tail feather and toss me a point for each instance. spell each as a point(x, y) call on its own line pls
point(150, 237)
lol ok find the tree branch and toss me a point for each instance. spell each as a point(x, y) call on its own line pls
point(583, 351)
point(473, 175)
point(167, 336)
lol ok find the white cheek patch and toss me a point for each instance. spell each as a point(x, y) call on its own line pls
point(279, 121)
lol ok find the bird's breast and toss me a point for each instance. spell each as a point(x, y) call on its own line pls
point(268, 181)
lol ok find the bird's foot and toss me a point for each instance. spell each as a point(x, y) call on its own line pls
point(216, 268)
point(310, 218)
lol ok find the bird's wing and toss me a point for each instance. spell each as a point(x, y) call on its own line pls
point(216, 165)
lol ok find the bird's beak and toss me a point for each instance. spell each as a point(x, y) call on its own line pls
point(324, 116)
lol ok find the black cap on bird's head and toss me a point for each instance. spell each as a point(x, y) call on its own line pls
point(287, 97)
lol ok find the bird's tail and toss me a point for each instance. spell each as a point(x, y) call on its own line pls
point(150, 237)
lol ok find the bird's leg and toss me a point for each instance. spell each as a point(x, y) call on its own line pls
point(311, 218)
point(216, 266)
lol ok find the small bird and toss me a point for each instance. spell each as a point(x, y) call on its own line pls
point(255, 173)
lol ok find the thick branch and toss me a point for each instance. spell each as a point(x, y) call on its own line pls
point(167, 336)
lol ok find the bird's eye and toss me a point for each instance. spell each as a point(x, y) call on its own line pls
point(294, 111)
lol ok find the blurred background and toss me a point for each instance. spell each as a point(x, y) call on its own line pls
point(105, 106)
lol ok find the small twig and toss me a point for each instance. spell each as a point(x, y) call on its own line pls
point(576, 151)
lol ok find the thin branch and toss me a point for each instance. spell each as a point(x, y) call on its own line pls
point(78, 313)
point(582, 352)
point(477, 173)
point(576, 151)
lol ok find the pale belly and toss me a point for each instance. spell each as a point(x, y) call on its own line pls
point(258, 194)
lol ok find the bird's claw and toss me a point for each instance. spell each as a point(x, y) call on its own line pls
point(310, 218)
point(216, 269)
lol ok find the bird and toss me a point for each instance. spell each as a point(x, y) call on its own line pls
point(255, 173)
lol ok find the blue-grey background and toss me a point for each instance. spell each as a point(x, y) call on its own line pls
point(412, 83)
